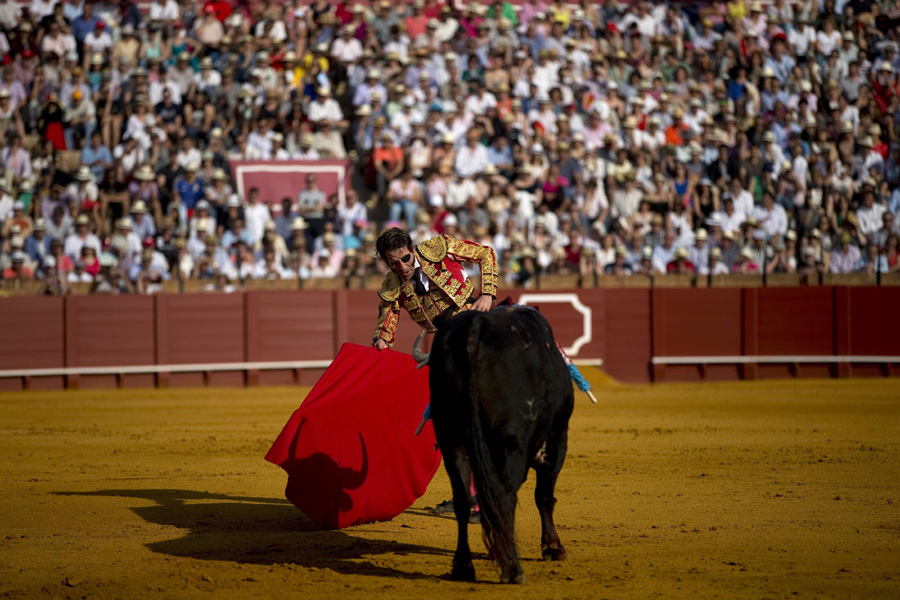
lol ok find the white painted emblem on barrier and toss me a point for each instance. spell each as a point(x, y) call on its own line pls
point(586, 335)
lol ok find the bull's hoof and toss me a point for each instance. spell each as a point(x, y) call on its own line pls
point(555, 554)
point(464, 572)
point(516, 575)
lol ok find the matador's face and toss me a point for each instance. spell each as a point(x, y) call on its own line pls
point(401, 262)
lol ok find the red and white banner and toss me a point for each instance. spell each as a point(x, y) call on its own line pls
point(277, 179)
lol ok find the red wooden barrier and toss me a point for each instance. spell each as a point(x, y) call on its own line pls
point(628, 334)
point(32, 339)
point(109, 330)
point(288, 326)
point(640, 334)
point(200, 329)
point(688, 323)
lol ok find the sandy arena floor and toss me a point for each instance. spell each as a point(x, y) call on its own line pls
point(745, 490)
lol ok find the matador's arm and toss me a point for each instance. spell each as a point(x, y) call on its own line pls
point(485, 256)
point(388, 310)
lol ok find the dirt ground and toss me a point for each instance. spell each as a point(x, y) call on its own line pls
point(742, 490)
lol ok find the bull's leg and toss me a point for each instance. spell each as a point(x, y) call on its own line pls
point(460, 474)
point(547, 472)
point(512, 465)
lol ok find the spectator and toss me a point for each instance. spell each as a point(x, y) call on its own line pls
point(80, 238)
point(845, 257)
point(18, 271)
point(256, 215)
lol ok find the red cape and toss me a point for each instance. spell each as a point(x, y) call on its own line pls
point(350, 450)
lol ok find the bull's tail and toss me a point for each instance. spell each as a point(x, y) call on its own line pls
point(496, 502)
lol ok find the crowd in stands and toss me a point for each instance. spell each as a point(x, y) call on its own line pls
point(604, 138)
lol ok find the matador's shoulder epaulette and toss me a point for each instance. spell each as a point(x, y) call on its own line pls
point(433, 249)
point(390, 288)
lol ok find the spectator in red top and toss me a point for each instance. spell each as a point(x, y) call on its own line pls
point(18, 271)
point(676, 129)
point(884, 86)
point(680, 265)
point(221, 8)
point(417, 23)
point(745, 264)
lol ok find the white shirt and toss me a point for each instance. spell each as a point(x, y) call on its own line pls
point(826, 43)
point(261, 143)
point(325, 110)
point(773, 222)
point(743, 202)
point(458, 192)
point(731, 222)
point(256, 216)
point(212, 80)
point(74, 243)
point(476, 104)
point(347, 50)
point(40, 9)
point(164, 11)
point(471, 161)
point(870, 218)
point(801, 40)
point(98, 43)
point(74, 277)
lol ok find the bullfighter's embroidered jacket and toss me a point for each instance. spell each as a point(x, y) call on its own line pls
point(449, 289)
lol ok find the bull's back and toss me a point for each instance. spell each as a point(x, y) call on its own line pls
point(506, 361)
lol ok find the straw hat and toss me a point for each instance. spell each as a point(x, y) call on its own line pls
point(84, 173)
point(144, 173)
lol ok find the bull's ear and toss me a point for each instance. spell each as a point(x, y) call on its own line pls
point(390, 288)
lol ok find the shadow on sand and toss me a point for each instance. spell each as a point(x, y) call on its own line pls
point(261, 531)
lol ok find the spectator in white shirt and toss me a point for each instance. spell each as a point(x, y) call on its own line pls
point(82, 237)
point(743, 200)
point(472, 158)
point(325, 108)
point(41, 8)
point(165, 11)
point(771, 217)
point(870, 214)
point(97, 41)
point(256, 215)
point(347, 49)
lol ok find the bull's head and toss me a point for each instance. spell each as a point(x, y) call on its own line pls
point(419, 356)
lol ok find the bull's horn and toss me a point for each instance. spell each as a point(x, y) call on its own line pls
point(419, 356)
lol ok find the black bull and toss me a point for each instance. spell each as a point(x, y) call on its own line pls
point(501, 398)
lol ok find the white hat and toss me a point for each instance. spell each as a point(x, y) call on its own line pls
point(450, 220)
point(84, 173)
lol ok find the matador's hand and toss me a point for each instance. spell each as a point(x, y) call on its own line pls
point(484, 303)
point(380, 344)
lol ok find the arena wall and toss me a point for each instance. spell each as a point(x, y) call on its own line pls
point(288, 337)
